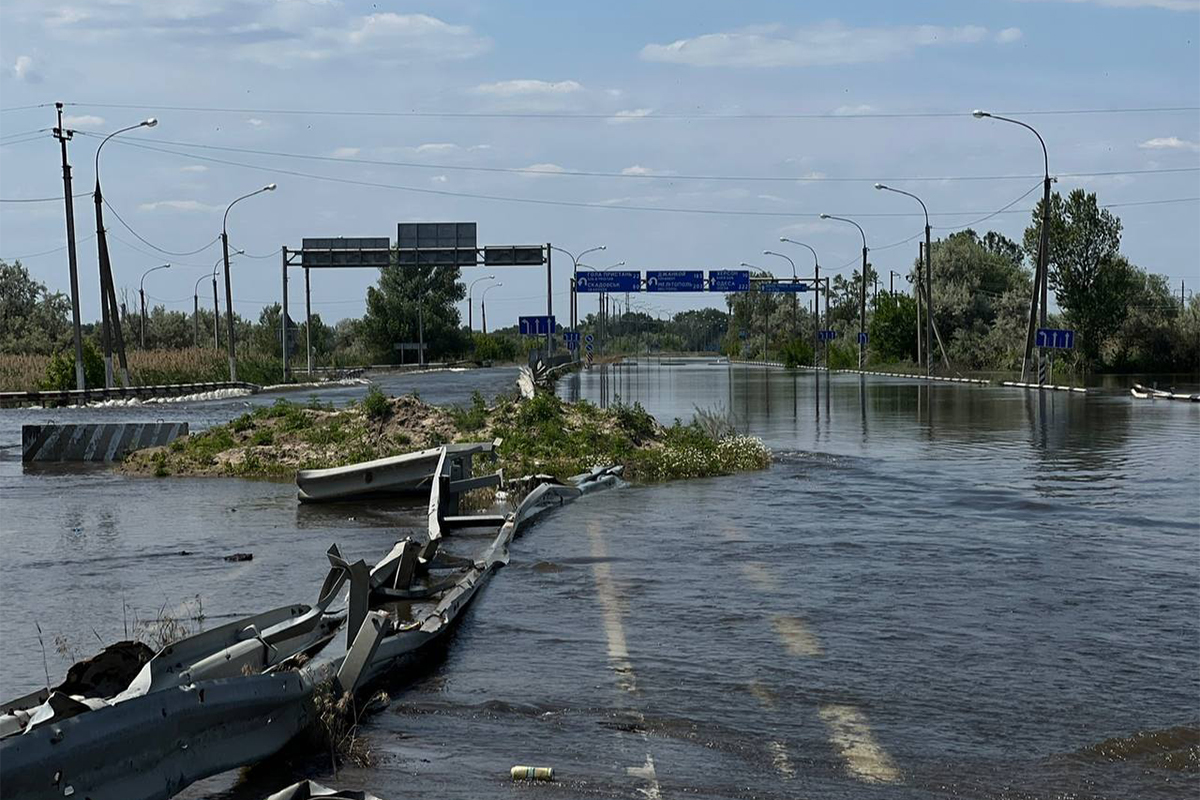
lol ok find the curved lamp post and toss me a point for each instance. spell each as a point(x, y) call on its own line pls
point(470, 305)
point(270, 187)
point(1040, 278)
point(196, 309)
point(108, 296)
point(795, 300)
point(817, 281)
point(862, 305)
point(142, 297)
point(574, 269)
point(483, 302)
point(601, 297)
point(766, 305)
point(928, 277)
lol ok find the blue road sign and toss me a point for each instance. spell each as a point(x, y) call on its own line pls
point(783, 286)
point(674, 280)
point(863, 337)
point(589, 338)
point(1055, 338)
point(729, 280)
point(571, 338)
point(626, 280)
point(536, 326)
point(588, 347)
point(826, 336)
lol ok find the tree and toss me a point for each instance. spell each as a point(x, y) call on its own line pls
point(403, 292)
point(32, 318)
point(894, 329)
point(1091, 280)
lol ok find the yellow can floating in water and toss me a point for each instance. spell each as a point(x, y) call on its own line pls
point(532, 773)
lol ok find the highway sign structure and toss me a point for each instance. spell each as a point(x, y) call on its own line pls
point(610, 281)
point(826, 336)
point(675, 280)
point(539, 325)
point(439, 244)
point(1055, 338)
point(782, 286)
point(729, 280)
point(344, 251)
point(514, 256)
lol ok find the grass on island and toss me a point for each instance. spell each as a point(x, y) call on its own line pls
point(539, 435)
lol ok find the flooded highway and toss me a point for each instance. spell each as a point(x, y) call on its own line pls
point(935, 591)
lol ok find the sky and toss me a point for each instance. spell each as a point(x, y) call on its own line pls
point(708, 130)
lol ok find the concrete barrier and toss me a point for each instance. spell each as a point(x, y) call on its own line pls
point(105, 441)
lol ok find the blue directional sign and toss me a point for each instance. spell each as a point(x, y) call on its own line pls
point(627, 280)
point(826, 336)
point(782, 286)
point(863, 337)
point(1055, 338)
point(571, 339)
point(536, 326)
point(674, 280)
point(729, 280)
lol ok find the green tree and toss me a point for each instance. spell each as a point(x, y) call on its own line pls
point(894, 329)
point(32, 318)
point(1091, 280)
point(393, 306)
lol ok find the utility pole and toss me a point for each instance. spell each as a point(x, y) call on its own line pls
point(229, 308)
point(308, 324)
point(928, 299)
point(287, 372)
point(862, 313)
point(549, 305)
point(63, 137)
point(216, 315)
point(919, 295)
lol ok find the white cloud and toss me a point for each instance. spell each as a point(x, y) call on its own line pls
point(23, 70)
point(545, 169)
point(439, 179)
point(194, 168)
point(480, 147)
point(1169, 143)
point(629, 114)
point(520, 88)
point(410, 35)
point(255, 122)
point(1009, 35)
point(436, 147)
point(82, 121)
point(346, 152)
point(850, 111)
point(812, 176)
point(828, 44)
point(637, 169)
point(1167, 5)
point(178, 205)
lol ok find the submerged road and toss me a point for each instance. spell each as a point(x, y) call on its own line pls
point(937, 591)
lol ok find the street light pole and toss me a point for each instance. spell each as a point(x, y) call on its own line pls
point(270, 187)
point(862, 307)
point(196, 311)
point(63, 135)
point(795, 299)
point(142, 297)
point(817, 283)
point(928, 278)
point(470, 304)
point(108, 296)
point(483, 303)
point(1040, 280)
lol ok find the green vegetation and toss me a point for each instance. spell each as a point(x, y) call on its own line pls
point(540, 435)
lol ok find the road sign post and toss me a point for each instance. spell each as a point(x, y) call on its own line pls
point(675, 280)
point(610, 281)
point(729, 280)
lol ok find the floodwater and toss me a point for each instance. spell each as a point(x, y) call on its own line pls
point(942, 591)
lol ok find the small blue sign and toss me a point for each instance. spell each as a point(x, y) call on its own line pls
point(826, 336)
point(589, 338)
point(674, 280)
point(588, 347)
point(783, 286)
point(729, 280)
point(571, 339)
point(863, 337)
point(1055, 338)
point(536, 326)
point(629, 280)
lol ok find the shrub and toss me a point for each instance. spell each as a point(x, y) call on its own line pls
point(60, 372)
point(376, 404)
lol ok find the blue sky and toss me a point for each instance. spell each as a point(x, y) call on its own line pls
point(648, 92)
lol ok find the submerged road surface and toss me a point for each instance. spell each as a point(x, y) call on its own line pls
point(941, 591)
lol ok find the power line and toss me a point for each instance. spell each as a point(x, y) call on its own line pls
point(34, 138)
point(654, 176)
point(23, 133)
point(38, 199)
point(25, 108)
point(624, 118)
point(143, 240)
point(49, 252)
point(538, 201)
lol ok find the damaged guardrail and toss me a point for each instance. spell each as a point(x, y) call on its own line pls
point(234, 695)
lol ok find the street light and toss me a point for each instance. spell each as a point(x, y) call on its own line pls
point(795, 301)
point(108, 297)
point(270, 187)
point(862, 307)
point(196, 309)
point(1040, 280)
point(817, 281)
point(142, 296)
point(601, 297)
point(574, 269)
point(928, 277)
point(483, 303)
point(766, 306)
point(216, 307)
point(470, 305)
